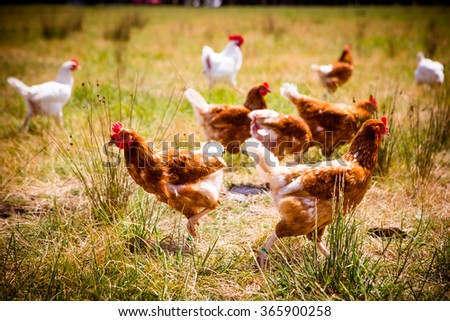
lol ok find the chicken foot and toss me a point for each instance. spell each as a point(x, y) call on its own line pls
point(322, 248)
point(193, 221)
point(265, 250)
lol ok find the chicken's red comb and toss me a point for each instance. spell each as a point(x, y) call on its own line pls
point(116, 127)
point(239, 38)
point(265, 84)
point(75, 62)
point(373, 101)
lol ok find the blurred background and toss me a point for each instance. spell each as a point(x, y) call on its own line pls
point(218, 3)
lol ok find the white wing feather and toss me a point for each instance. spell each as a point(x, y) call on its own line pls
point(51, 91)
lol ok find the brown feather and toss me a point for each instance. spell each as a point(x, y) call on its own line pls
point(293, 134)
point(346, 56)
point(332, 125)
point(306, 195)
point(230, 125)
point(338, 76)
point(155, 172)
point(341, 72)
point(189, 168)
point(231, 116)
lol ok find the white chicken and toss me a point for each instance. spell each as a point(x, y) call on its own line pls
point(225, 65)
point(49, 97)
point(428, 71)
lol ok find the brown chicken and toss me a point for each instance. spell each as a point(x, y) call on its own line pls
point(305, 195)
point(335, 75)
point(229, 125)
point(279, 133)
point(185, 180)
point(332, 125)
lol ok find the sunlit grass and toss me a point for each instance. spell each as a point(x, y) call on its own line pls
point(74, 230)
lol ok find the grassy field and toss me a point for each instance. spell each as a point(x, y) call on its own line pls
point(71, 229)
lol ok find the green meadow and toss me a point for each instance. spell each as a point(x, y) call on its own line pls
point(73, 229)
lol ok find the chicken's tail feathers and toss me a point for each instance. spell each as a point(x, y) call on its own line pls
point(289, 91)
point(263, 159)
point(18, 85)
point(206, 57)
point(197, 101)
point(207, 51)
point(420, 56)
point(322, 70)
point(315, 67)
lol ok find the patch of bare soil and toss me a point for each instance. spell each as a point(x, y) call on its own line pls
point(40, 197)
point(249, 189)
point(387, 232)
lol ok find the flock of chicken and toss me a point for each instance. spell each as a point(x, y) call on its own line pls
point(305, 195)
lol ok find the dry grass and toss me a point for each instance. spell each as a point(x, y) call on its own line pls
point(54, 246)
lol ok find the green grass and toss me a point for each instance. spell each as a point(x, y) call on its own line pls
point(72, 229)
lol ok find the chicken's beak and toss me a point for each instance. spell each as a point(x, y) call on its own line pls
point(112, 142)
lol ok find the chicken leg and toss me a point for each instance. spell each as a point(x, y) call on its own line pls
point(265, 250)
point(27, 119)
point(321, 247)
point(193, 221)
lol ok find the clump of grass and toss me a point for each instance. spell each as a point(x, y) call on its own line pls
point(21, 34)
point(121, 33)
point(425, 135)
point(400, 280)
point(351, 273)
point(396, 40)
point(347, 274)
point(137, 20)
point(431, 38)
point(59, 27)
point(142, 223)
point(106, 183)
point(392, 43)
point(442, 265)
point(122, 30)
point(361, 26)
point(270, 26)
point(120, 53)
point(386, 153)
point(347, 271)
